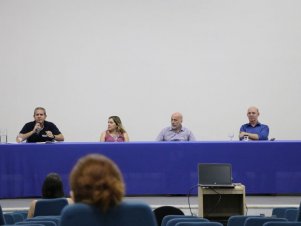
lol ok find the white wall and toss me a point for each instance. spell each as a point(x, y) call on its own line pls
point(84, 60)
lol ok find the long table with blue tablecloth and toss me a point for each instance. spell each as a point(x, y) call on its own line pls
point(155, 168)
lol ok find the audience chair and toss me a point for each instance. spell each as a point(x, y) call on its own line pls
point(289, 223)
point(9, 218)
point(44, 223)
point(163, 211)
point(199, 224)
point(50, 207)
point(169, 217)
point(291, 214)
point(18, 217)
point(239, 220)
point(54, 219)
point(125, 214)
point(280, 211)
point(2, 222)
point(24, 213)
point(174, 221)
point(32, 224)
point(299, 213)
point(259, 221)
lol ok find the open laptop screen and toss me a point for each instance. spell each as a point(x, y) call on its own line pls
point(214, 174)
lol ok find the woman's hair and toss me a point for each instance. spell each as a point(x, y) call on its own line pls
point(52, 186)
point(96, 180)
point(118, 123)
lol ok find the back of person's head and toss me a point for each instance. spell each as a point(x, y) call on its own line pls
point(52, 186)
point(96, 180)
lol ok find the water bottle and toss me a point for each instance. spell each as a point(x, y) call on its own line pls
point(3, 136)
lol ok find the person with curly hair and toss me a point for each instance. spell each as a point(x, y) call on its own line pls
point(97, 188)
point(96, 180)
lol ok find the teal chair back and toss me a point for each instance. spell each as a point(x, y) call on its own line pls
point(291, 214)
point(299, 213)
point(169, 217)
point(259, 221)
point(279, 212)
point(2, 222)
point(54, 219)
point(45, 223)
point(174, 221)
point(238, 220)
point(282, 224)
point(163, 211)
point(125, 214)
point(50, 207)
point(9, 218)
point(199, 224)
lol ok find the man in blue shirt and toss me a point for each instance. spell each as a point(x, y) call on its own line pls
point(176, 132)
point(254, 130)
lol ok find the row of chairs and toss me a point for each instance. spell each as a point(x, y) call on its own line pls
point(14, 217)
point(41, 220)
point(47, 212)
point(165, 213)
point(239, 220)
point(290, 213)
point(46, 209)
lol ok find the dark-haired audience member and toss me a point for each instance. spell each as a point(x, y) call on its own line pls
point(96, 180)
point(115, 131)
point(52, 188)
point(253, 130)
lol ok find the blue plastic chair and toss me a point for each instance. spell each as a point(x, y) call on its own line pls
point(280, 211)
point(174, 221)
point(26, 224)
point(289, 223)
point(299, 213)
point(199, 224)
point(169, 217)
point(9, 218)
point(18, 217)
point(163, 211)
point(125, 214)
point(259, 221)
point(45, 223)
point(239, 220)
point(54, 219)
point(291, 214)
point(50, 207)
point(24, 213)
point(2, 222)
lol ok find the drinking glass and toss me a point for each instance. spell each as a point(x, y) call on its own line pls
point(3, 136)
point(231, 136)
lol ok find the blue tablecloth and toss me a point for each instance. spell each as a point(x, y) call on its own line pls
point(156, 168)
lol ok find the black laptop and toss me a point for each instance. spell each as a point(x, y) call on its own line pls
point(217, 175)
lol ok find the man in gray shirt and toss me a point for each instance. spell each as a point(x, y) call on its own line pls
point(176, 132)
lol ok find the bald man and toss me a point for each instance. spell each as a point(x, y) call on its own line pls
point(176, 132)
point(254, 130)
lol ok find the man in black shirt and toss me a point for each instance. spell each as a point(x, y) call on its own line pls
point(39, 130)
